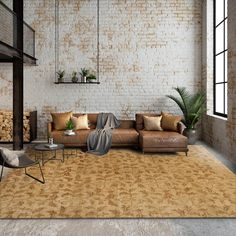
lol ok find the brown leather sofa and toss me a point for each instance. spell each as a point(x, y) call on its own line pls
point(125, 135)
point(130, 133)
point(160, 141)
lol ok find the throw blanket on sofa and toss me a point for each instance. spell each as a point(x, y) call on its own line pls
point(99, 140)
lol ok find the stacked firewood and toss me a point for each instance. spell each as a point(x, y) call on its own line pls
point(6, 126)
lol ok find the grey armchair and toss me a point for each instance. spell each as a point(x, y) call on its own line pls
point(24, 162)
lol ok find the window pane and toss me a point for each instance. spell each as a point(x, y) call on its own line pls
point(219, 98)
point(226, 98)
point(219, 68)
point(226, 66)
point(226, 34)
point(219, 11)
point(226, 8)
point(220, 38)
point(221, 56)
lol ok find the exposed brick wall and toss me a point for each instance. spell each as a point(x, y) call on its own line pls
point(147, 47)
point(221, 133)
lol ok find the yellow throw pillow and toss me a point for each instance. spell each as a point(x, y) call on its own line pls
point(169, 121)
point(80, 122)
point(152, 123)
point(60, 119)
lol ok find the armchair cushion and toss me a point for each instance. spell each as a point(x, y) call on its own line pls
point(11, 157)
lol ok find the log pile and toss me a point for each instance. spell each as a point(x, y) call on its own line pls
point(6, 126)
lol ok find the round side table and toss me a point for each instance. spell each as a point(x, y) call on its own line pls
point(43, 148)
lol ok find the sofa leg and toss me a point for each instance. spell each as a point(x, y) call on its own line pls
point(186, 153)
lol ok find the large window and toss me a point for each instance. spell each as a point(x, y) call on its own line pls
point(220, 57)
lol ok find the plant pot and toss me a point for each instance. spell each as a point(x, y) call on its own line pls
point(83, 79)
point(60, 80)
point(191, 134)
point(74, 79)
point(69, 131)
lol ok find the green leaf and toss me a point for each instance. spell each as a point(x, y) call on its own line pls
point(190, 105)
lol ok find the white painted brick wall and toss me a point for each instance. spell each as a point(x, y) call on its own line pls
point(147, 47)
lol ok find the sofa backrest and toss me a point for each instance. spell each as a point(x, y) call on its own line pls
point(92, 117)
point(139, 119)
point(127, 124)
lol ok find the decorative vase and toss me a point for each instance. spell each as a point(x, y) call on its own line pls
point(83, 79)
point(50, 141)
point(74, 79)
point(191, 134)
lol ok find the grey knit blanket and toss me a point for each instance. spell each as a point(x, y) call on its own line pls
point(99, 141)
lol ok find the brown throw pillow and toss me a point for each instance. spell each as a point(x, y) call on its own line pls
point(152, 123)
point(169, 121)
point(60, 119)
point(80, 122)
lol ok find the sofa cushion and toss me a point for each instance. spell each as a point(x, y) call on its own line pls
point(124, 136)
point(92, 119)
point(80, 122)
point(139, 119)
point(170, 122)
point(60, 120)
point(161, 139)
point(119, 136)
point(152, 123)
point(79, 138)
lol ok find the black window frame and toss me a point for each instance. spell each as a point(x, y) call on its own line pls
point(225, 51)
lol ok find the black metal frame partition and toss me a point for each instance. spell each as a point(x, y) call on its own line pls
point(224, 52)
point(12, 51)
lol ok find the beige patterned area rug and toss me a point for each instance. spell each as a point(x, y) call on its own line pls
point(123, 184)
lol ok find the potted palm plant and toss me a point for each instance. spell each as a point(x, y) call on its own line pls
point(192, 107)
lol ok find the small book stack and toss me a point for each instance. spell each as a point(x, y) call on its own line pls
point(49, 145)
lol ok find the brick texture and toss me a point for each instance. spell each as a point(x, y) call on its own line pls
point(147, 47)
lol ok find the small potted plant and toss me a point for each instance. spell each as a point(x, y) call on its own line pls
point(69, 127)
point(91, 78)
point(74, 78)
point(84, 72)
point(60, 76)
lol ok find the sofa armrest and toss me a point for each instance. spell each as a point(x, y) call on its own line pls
point(49, 129)
point(180, 127)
